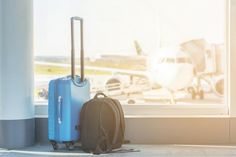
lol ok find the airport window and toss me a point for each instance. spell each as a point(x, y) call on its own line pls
point(160, 53)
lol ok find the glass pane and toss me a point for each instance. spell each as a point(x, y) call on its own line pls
point(139, 51)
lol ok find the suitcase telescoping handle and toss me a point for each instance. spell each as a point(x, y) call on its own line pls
point(73, 19)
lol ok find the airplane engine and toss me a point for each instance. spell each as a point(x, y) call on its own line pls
point(43, 93)
point(113, 86)
point(218, 85)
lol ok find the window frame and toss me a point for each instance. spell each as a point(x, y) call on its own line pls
point(182, 109)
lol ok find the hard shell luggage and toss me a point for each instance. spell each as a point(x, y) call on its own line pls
point(66, 98)
point(102, 124)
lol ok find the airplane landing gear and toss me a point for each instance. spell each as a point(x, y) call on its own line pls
point(131, 101)
point(201, 94)
point(172, 97)
point(196, 92)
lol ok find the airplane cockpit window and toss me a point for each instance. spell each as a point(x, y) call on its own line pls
point(129, 49)
point(170, 60)
point(183, 60)
point(161, 60)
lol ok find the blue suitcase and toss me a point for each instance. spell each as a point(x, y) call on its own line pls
point(66, 98)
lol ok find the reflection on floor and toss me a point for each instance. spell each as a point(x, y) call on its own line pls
point(141, 150)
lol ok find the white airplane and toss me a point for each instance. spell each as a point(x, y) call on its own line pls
point(171, 68)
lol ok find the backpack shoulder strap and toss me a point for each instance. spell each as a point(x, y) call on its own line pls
point(117, 119)
point(121, 115)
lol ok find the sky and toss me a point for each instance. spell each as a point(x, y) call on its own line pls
point(111, 26)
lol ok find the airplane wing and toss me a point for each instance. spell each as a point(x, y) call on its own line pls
point(137, 73)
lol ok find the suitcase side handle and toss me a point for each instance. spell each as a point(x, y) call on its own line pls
point(73, 49)
point(59, 109)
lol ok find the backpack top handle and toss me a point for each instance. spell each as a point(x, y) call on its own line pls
point(99, 94)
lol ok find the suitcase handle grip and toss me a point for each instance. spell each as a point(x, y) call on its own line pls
point(73, 49)
point(59, 109)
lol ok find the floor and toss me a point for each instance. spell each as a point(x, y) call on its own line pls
point(140, 151)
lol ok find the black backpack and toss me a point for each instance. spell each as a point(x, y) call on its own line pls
point(102, 125)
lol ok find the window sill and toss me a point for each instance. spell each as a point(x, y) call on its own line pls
point(158, 110)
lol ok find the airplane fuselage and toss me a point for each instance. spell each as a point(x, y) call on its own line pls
point(173, 71)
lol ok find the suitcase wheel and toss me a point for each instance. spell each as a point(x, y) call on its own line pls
point(54, 145)
point(69, 145)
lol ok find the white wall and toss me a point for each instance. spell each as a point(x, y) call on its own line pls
point(17, 60)
point(0, 55)
point(233, 58)
point(232, 70)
